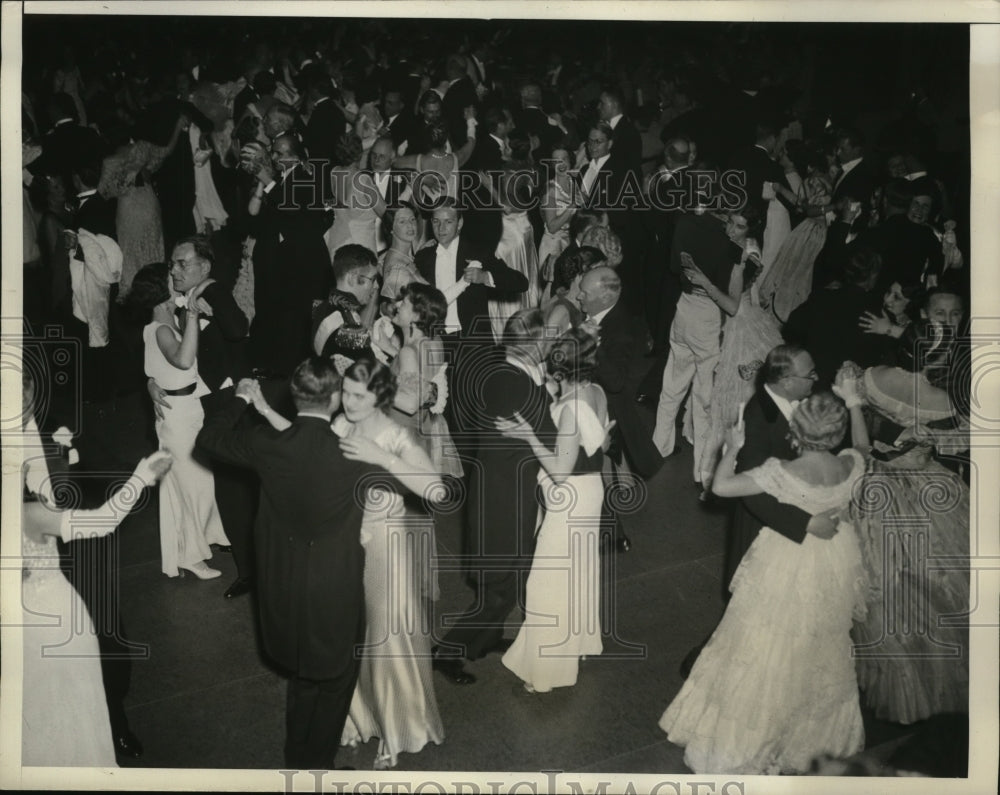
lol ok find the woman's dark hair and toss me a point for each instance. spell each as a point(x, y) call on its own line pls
point(389, 220)
point(437, 135)
point(926, 347)
point(347, 150)
point(573, 356)
point(377, 378)
point(149, 289)
point(863, 264)
point(429, 305)
point(582, 220)
point(571, 265)
point(755, 221)
point(265, 83)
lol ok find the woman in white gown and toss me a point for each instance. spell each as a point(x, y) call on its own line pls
point(394, 699)
point(562, 620)
point(64, 716)
point(189, 518)
point(517, 250)
point(775, 684)
point(559, 205)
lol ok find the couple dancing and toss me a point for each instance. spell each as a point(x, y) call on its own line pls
point(529, 439)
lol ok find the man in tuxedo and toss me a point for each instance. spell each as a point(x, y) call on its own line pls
point(419, 133)
point(326, 123)
point(858, 178)
point(502, 507)
point(338, 325)
point(68, 144)
point(398, 119)
point(469, 274)
point(758, 167)
point(221, 363)
point(622, 339)
point(94, 212)
point(310, 562)
point(787, 377)
point(491, 145)
point(461, 94)
point(290, 257)
point(628, 142)
point(392, 186)
point(534, 121)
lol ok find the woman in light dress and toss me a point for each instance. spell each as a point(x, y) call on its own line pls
point(559, 205)
point(394, 699)
point(125, 175)
point(64, 715)
point(189, 518)
point(913, 521)
point(399, 269)
point(358, 204)
point(775, 686)
point(437, 171)
point(562, 620)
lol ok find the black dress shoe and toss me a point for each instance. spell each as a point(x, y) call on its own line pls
point(645, 398)
point(451, 667)
point(238, 588)
point(223, 548)
point(623, 543)
point(127, 744)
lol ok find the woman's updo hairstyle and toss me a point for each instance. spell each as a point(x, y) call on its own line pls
point(347, 150)
point(819, 422)
point(571, 265)
point(149, 289)
point(572, 357)
point(377, 378)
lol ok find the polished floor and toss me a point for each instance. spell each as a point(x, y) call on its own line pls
point(203, 697)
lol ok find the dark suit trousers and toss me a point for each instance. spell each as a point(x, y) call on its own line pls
point(91, 565)
point(315, 714)
point(481, 628)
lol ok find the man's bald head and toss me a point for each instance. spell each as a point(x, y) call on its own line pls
point(600, 289)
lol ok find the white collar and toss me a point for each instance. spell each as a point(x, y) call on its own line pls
point(597, 317)
point(763, 149)
point(916, 175)
point(315, 414)
point(533, 371)
point(85, 193)
point(451, 248)
point(392, 119)
point(497, 139)
point(613, 121)
point(750, 92)
point(452, 82)
point(850, 164)
point(600, 161)
point(320, 101)
point(61, 122)
point(784, 404)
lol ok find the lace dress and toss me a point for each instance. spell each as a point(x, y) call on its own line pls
point(746, 339)
point(64, 718)
point(394, 699)
point(189, 518)
point(562, 620)
point(775, 685)
point(788, 281)
point(139, 224)
point(913, 522)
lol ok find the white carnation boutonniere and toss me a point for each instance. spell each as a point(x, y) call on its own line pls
point(64, 438)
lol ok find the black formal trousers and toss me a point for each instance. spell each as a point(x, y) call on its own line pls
point(315, 714)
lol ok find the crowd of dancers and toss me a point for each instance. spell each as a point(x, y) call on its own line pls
point(364, 288)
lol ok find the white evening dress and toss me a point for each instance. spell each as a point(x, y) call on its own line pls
point(394, 699)
point(775, 684)
point(64, 718)
point(354, 218)
point(189, 518)
point(562, 619)
point(518, 252)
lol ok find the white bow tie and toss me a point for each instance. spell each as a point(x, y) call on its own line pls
point(181, 301)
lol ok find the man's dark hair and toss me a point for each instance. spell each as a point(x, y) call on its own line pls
point(352, 257)
point(780, 363)
point(313, 384)
point(202, 246)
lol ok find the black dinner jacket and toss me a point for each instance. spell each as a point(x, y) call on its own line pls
point(398, 181)
point(766, 437)
point(222, 339)
point(310, 562)
point(325, 127)
point(628, 145)
point(622, 340)
point(757, 168)
point(399, 128)
point(473, 306)
point(97, 215)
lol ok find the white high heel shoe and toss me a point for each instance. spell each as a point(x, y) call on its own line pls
point(201, 570)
